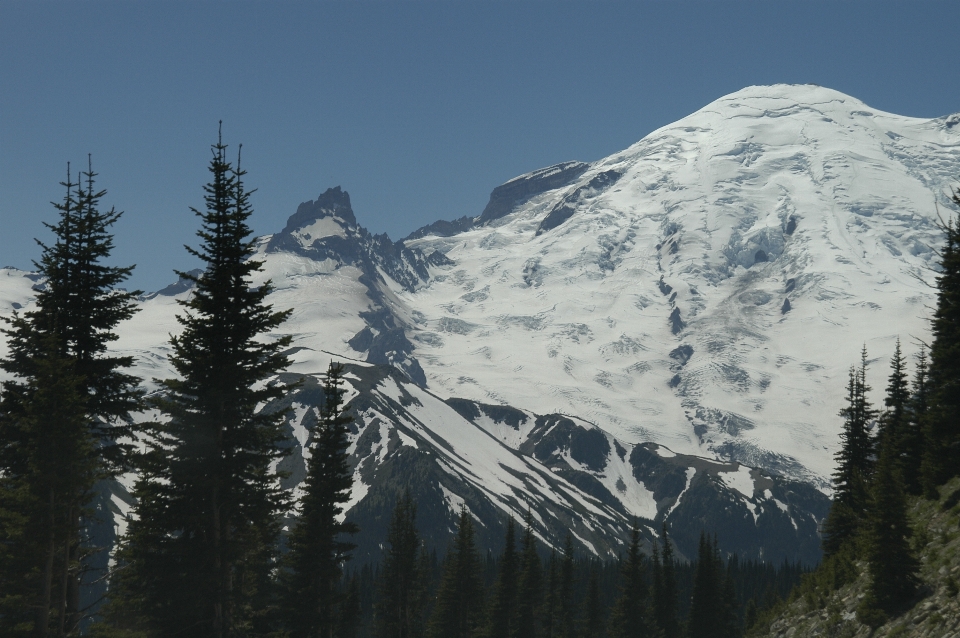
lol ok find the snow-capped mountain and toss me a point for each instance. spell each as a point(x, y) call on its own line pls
point(663, 334)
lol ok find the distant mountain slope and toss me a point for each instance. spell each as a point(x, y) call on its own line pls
point(613, 340)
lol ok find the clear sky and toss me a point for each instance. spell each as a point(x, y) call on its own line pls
point(418, 109)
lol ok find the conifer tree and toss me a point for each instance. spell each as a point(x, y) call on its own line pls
point(400, 607)
point(893, 421)
point(913, 436)
point(458, 612)
point(316, 544)
point(632, 615)
point(203, 546)
point(665, 588)
point(706, 602)
point(567, 607)
point(593, 612)
point(892, 565)
point(942, 433)
point(551, 599)
point(55, 444)
point(855, 462)
point(503, 608)
point(529, 590)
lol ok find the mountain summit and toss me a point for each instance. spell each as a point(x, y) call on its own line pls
point(664, 333)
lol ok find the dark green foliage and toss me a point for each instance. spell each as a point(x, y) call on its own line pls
point(567, 625)
point(893, 567)
point(317, 550)
point(459, 610)
point(593, 624)
point(912, 441)
point(855, 462)
point(551, 599)
point(941, 459)
point(62, 407)
point(400, 608)
point(529, 589)
point(503, 609)
point(893, 421)
point(633, 615)
point(713, 606)
point(665, 588)
point(201, 552)
point(42, 504)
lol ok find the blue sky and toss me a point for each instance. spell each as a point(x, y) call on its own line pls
point(418, 109)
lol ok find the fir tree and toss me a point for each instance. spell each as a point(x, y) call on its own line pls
point(54, 447)
point(503, 609)
point(632, 615)
point(551, 599)
point(593, 611)
point(855, 462)
point(458, 612)
point(665, 588)
point(317, 549)
point(942, 433)
point(402, 585)
point(706, 602)
point(913, 436)
point(893, 567)
point(202, 548)
point(565, 594)
point(893, 421)
point(529, 589)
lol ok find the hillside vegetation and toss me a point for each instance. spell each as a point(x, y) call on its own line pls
point(817, 609)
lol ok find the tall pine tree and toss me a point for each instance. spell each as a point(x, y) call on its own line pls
point(503, 606)
point(312, 595)
point(201, 551)
point(942, 433)
point(665, 589)
point(633, 615)
point(458, 612)
point(913, 435)
point(403, 586)
point(855, 462)
point(529, 590)
point(54, 447)
point(892, 565)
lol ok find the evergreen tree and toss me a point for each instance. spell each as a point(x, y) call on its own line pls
point(665, 589)
point(503, 609)
point(912, 445)
point(317, 550)
point(942, 432)
point(567, 618)
point(893, 421)
point(66, 401)
point(529, 590)
point(401, 603)
point(893, 567)
point(593, 611)
point(551, 599)
point(855, 462)
point(459, 608)
point(705, 604)
point(40, 575)
point(201, 551)
point(350, 611)
point(632, 615)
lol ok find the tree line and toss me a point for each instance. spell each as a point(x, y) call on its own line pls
point(532, 590)
point(203, 554)
point(906, 449)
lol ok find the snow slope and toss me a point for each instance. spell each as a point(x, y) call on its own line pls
point(708, 287)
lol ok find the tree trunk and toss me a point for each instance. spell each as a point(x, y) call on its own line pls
point(43, 614)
